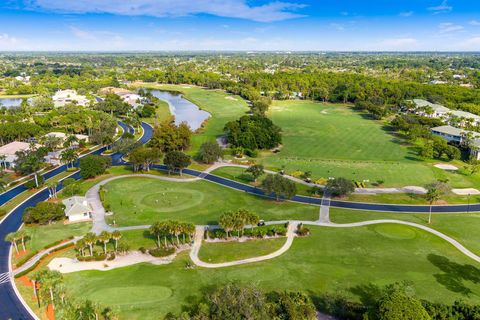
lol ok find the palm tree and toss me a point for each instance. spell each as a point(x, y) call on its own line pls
point(166, 230)
point(188, 229)
point(49, 281)
point(226, 222)
point(90, 239)
point(177, 230)
point(432, 195)
point(12, 238)
point(156, 230)
point(104, 237)
point(71, 139)
point(22, 234)
point(80, 246)
point(116, 235)
point(52, 189)
point(68, 156)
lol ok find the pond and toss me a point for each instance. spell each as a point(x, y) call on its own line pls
point(182, 109)
point(10, 102)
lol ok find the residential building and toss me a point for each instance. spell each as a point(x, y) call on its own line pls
point(459, 137)
point(463, 117)
point(8, 153)
point(431, 110)
point(63, 97)
point(77, 209)
point(130, 97)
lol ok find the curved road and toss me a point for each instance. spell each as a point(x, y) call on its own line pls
point(10, 305)
point(400, 208)
point(12, 308)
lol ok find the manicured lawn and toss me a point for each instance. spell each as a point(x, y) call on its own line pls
point(223, 108)
point(215, 252)
point(139, 201)
point(463, 227)
point(335, 261)
point(162, 114)
point(239, 174)
point(406, 198)
point(334, 140)
point(41, 236)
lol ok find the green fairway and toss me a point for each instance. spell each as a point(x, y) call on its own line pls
point(140, 200)
point(335, 261)
point(334, 140)
point(223, 108)
point(41, 236)
point(463, 227)
point(216, 252)
point(239, 174)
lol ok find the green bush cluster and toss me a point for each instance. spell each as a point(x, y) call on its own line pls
point(161, 252)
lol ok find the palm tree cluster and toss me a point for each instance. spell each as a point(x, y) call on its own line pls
point(68, 157)
point(169, 229)
point(91, 239)
point(15, 237)
point(237, 220)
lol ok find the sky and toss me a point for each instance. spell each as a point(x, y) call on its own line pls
point(247, 25)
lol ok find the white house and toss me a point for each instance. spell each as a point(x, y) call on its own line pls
point(63, 97)
point(431, 110)
point(7, 153)
point(463, 117)
point(77, 209)
point(459, 136)
point(59, 135)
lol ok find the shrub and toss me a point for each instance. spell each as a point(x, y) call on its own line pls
point(100, 257)
point(30, 184)
point(302, 230)
point(26, 271)
point(251, 153)
point(142, 249)
point(111, 256)
point(26, 258)
point(161, 252)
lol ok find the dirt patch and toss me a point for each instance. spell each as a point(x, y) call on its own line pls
point(50, 313)
point(231, 98)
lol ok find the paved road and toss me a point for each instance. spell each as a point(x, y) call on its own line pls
point(400, 208)
point(10, 305)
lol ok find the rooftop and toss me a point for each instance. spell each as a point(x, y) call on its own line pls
point(12, 147)
point(454, 131)
point(76, 205)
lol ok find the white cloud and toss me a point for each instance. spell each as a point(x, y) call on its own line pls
point(449, 27)
point(472, 44)
point(400, 43)
point(273, 11)
point(82, 34)
point(441, 8)
point(8, 42)
point(337, 26)
point(474, 23)
point(406, 14)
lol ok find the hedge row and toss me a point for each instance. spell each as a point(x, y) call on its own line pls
point(161, 252)
point(33, 253)
point(28, 270)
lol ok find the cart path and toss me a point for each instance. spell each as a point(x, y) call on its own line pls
point(197, 244)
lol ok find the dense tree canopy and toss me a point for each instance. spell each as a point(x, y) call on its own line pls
point(92, 166)
point(44, 213)
point(279, 186)
point(169, 137)
point(253, 132)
